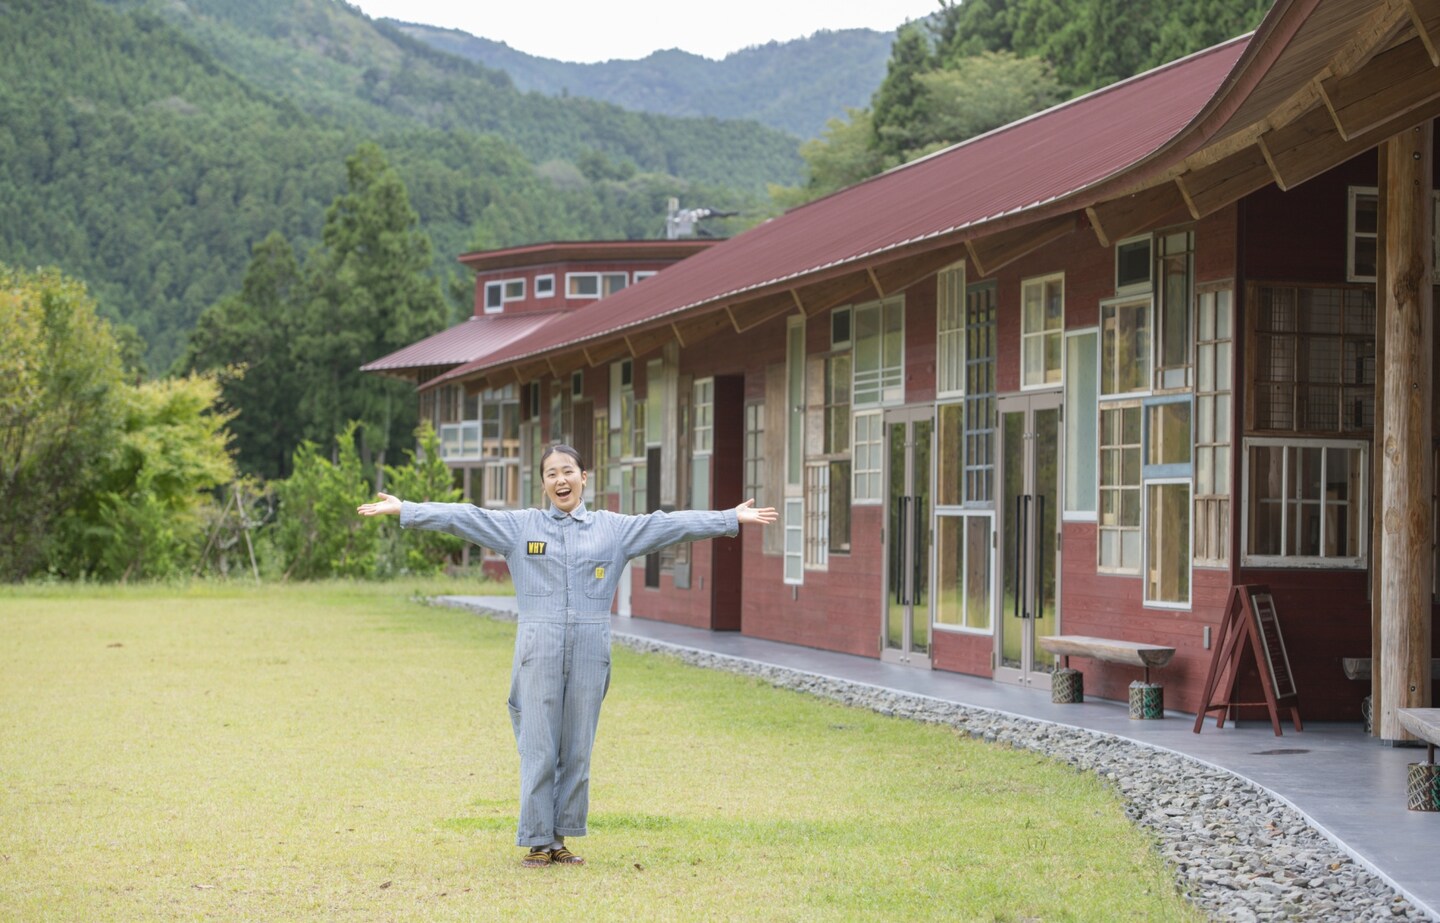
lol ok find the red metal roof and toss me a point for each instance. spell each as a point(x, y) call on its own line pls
point(1012, 171)
point(530, 255)
point(469, 341)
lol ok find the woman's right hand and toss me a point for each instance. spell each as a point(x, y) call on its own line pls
point(385, 506)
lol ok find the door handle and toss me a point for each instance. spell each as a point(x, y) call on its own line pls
point(1022, 502)
point(1040, 538)
point(917, 564)
point(897, 554)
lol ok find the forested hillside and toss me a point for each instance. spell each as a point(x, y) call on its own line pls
point(148, 161)
point(794, 86)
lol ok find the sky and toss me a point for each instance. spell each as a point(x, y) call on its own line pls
point(595, 30)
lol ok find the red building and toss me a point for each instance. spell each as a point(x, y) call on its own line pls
point(1084, 375)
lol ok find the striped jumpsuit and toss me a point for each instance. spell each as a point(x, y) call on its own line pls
point(565, 569)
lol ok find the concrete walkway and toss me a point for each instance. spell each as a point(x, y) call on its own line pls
point(1351, 788)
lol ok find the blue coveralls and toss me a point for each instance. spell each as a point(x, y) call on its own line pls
point(565, 569)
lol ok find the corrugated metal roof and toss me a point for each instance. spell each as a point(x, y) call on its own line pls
point(1050, 156)
point(471, 340)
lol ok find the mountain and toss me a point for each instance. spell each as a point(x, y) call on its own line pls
point(794, 86)
point(146, 147)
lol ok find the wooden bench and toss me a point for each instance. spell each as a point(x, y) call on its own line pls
point(1144, 656)
point(1359, 667)
point(1424, 723)
point(1423, 784)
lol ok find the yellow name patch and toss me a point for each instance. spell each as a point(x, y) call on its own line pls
point(599, 573)
point(534, 547)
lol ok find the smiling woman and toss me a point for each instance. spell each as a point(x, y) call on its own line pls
point(565, 562)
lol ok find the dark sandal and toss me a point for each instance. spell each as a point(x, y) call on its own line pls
point(538, 858)
point(563, 856)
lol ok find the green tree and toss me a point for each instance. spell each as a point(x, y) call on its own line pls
point(60, 378)
point(372, 294)
point(141, 514)
point(248, 340)
point(425, 478)
point(980, 93)
point(316, 531)
point(843, 155)
point(898, 107)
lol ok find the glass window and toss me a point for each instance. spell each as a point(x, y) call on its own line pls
point(1314, 359)
point(755, 451)
point(840, 328)
point(950, 332)
point(703, 415)
point(594, 284)
point(817, 514)
point(1132, 265)
point(1125, 345)
point(1363, 221)
point(979, 444)
point(1167, 542)
point(1082, 383)
point(514, 289)
point(795, 399)
point(544, 286)
point(1175, 269)
point(1305, 502)
point(837, 405)
point(494, 297)
point(1118, 519)
point(868, 453)
point(794, 565)
point(963, 564)
point(879, 338)
point(653, 428)
point(950, 435)
point(1213, 356)
point(1042, 330)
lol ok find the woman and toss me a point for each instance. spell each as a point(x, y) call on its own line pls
point(565, 562)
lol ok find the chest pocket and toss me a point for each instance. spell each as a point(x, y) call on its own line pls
point(536, 576)
point(599, 579)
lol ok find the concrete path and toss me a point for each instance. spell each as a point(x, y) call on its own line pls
point(1347, 785)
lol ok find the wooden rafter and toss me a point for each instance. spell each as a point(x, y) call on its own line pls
point(879, 289)
point(562, 364)
point(648, 340)
point(531, 371)
point(1425, 14)
point(1311, 145)
point(607, 351)
point(750, 314)
point(1210, 189)
point(694, 329)
point(822, 296)
point(1128, 215)
point(901, 274)
point(990, 254)
point(1393, 83)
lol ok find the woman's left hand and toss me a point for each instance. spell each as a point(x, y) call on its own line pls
point(747, 512)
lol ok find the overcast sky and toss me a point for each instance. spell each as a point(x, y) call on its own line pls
point(595, 30)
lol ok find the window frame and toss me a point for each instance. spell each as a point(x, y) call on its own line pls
point(884, 386)
point(545, 286)
point(950, 321)
point(1044, 335)
point(1312, 562)
point(1166, 474)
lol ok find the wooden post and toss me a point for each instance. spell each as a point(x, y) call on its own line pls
point(1407, 517)
point(1377, 464)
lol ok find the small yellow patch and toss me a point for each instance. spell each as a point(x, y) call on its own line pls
point(534, 547)
point(599, 573)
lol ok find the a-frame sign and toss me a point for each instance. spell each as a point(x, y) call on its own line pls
point(1250, 626)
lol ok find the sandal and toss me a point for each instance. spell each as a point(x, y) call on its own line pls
point(563, 856)
point(538, 858)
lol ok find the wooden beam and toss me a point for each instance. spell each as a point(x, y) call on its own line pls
point(822, 296)
point(901, 274)
point(1408, 518)
point(1312, 145)
point(564, 363)
point(1425, 14)
point(1395, 82)
point(648, 340)
point(879, 289)
point(694, 329)
point(607, 351)
point(532, 370)
point(1210, 189)
point(990, 254)
point(1128, 215)
point(750, 314)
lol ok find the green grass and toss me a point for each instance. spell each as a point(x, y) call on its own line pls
point(339, 752)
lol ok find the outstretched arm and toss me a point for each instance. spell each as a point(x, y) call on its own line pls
point(748, 513)
point(494, 529)
point(385, 506)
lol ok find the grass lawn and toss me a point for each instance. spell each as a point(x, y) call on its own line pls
point(339, 752)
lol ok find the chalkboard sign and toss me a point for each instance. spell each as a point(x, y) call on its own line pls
point(1249, 630)
point(1272, 642)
